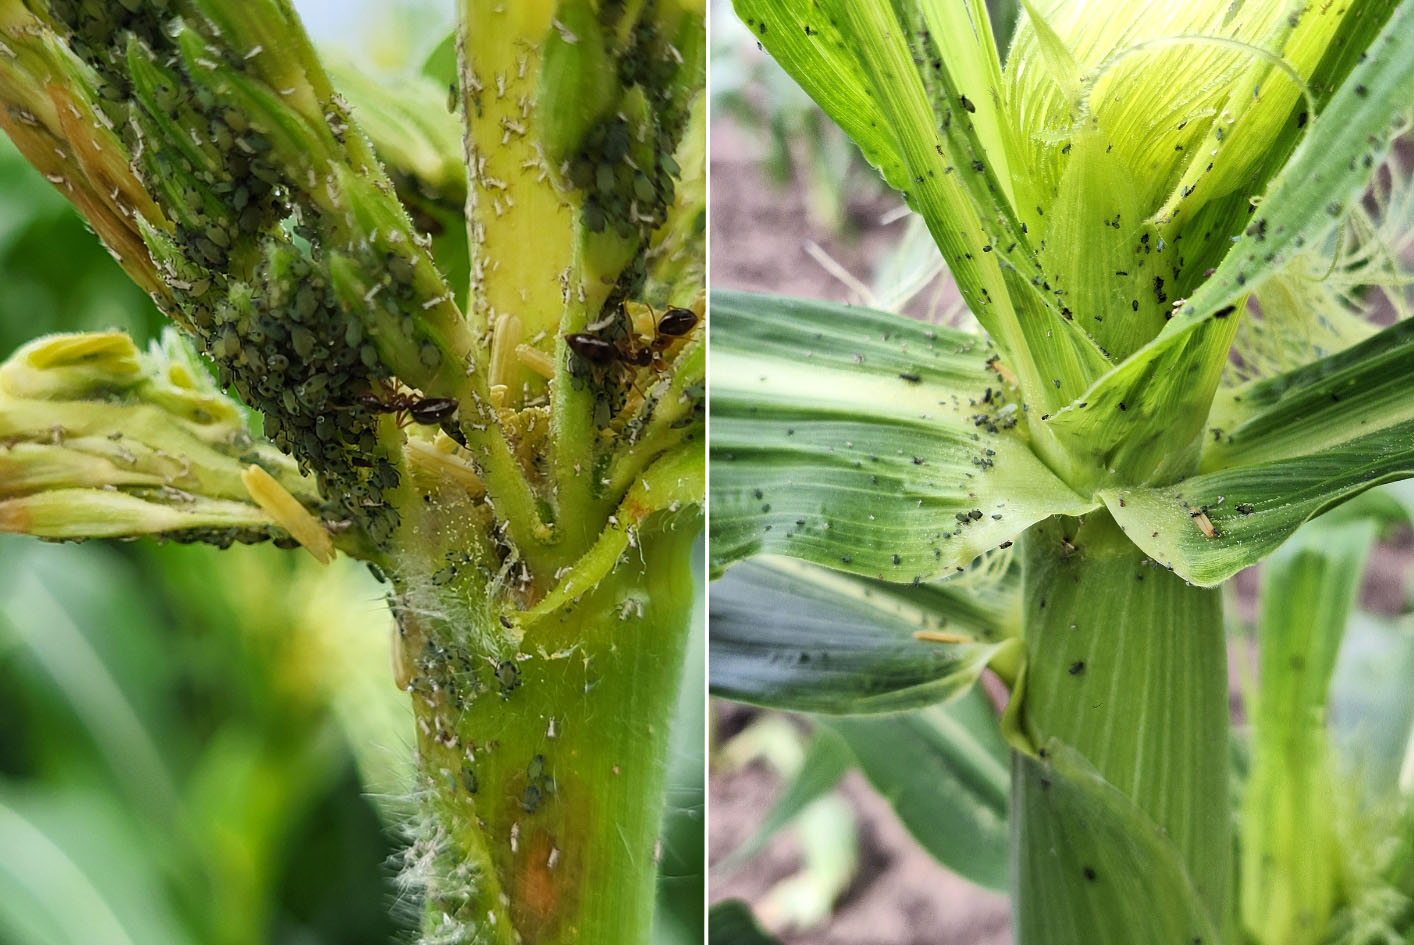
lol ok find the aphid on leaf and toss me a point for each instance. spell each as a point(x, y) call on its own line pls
point(507, 675)
point(530, 799)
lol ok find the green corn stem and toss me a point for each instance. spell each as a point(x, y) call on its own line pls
point(1126, 666)
point(518, 224)
point(678, 398)
point(542, 751)
point(575, 113)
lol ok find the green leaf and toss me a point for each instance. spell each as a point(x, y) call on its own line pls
point(69, 874)
point(1331, 401)
point(1141, 421)
point(731, 923)
point(791, 635)
point(827, 760)
point(1292, 447)
point(864, 441)
point(824, 64)
point(1174, 375)
point(944, 771)
point(1253, 509)
point(943, 148)
point(1091, 867)
point(1292, 861)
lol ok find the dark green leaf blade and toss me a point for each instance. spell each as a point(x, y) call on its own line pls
point(1122, 880)
point(944, 770)
point(790, 635)
point(1331, 401)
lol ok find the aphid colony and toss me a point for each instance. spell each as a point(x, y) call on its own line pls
point(624, 164)
point(280, 292)
point(448, 682)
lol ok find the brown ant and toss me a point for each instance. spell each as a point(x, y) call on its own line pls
point(428, 411)
point(675, 323)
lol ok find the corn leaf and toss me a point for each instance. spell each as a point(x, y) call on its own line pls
point(1251, 510)
point(942, 150)
point(864, 441)
point(1171, 377)
point(822, 61)
point(944, 771)
point(795, 636)
point(1289, 448)
point(1352, 393)
point(1121, 880)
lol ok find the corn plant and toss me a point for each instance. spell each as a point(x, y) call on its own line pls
point(475, 353)
point(1171, 223)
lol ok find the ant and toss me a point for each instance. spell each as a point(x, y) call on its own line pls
point(428, 411)
point(675, 323)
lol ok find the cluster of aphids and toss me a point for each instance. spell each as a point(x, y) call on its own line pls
point(291, 349)
point(441, 672)
point(626, 195)
point(216, 182)
point(97, 26)
point(540, 784)
point(264, 309)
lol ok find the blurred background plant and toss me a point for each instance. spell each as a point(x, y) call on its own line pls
point(204, 746)
point(800, 146)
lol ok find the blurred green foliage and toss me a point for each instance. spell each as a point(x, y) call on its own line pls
point(173, 760)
